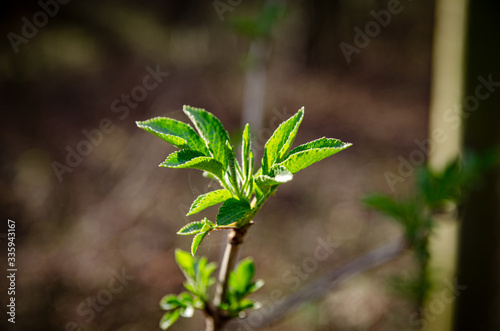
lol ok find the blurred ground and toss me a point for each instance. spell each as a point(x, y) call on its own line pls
point(117, 212)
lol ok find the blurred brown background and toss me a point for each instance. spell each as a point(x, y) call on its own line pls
point(116, 211)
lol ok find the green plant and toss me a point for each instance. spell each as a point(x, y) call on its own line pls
point(198, 280)
point(243, 192)
point(435, 192)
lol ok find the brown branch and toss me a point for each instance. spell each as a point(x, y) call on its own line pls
point(234, 239)
point(216, 318)
point(334, 278)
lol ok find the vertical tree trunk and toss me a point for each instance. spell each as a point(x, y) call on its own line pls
point(478, 306)
point(446, 91)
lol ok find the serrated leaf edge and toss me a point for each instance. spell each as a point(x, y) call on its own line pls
point(197, 223)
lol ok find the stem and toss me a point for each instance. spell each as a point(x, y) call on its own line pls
point(234, 240)
point(216, 317)
point(209, 323)
point(213, 324)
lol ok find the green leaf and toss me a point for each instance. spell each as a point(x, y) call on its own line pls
point(191, 228)
point(408, 213)
point(250, 170)
point(319, 143)
point(185, 298)
point(186, 262)
point(203, 280)
point(197, 273)
point(280, 142)
point(303, 158)
point(209, 269)
point(281, 175)
point(190, 285)
point(211, 130)
point(451, 184)
point(255, 286)
point(231, 160)
point(245, 150)
point(209, 226)
point(387, 205)
point(170, 302)
point(169, 318)
point(247, 304)
point(209, 199)
point(187, 158)
point(240, 285)
point(232, 210)
point(174, 132)
point(242, 276)
point(197, 241)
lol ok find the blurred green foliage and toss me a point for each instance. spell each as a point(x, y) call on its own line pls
point(435, 192)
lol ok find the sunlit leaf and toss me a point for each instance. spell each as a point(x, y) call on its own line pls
point(281, 175)
point(170, 302)
point(185, 261)
point(245, 149)
point(242, 276)
point(303, 158)
point(319, 143)
point(169, 318)
point(231, 161)
point(280, 142)
point(232, 210)
point(174, 132)
point(211, 130)
point(187, 158)
point(191, 228)
point(197, 241)
point(209, 199)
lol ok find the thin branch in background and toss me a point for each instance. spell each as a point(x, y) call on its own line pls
point(255, 85)
point(254, 92)
point(334, 278)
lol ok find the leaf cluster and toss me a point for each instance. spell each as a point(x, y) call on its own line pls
point(243, 188)
point(243, 192)
point(241, 284)
point(198, 281)
point(434, 191)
